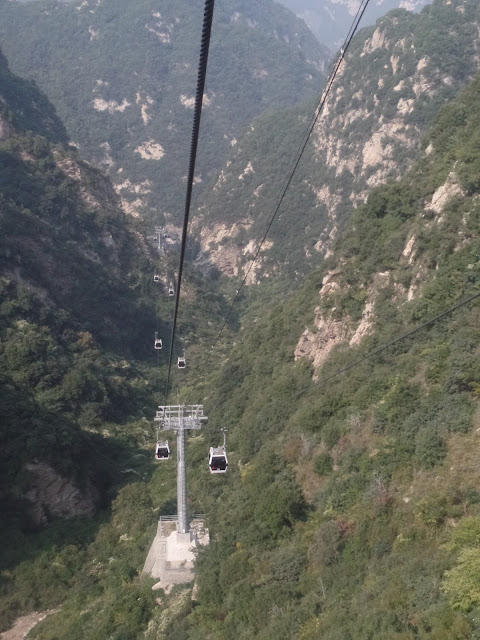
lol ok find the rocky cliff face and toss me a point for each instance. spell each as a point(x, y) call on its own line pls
point(53, 496)
point(393, 80)
point(428, 220)
point(371, 128)
point(330, 20)
point(329, 329)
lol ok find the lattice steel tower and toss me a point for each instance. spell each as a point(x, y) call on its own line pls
point(179, 418)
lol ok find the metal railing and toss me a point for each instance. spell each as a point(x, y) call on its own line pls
point(174, 517)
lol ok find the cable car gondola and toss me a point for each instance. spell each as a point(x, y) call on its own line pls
point(181, 362)
point(171, 290)
point(162, 450)
point(217, 460)
point(156, 278)
point(158, 342)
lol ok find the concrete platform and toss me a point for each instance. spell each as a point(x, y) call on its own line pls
point(172, 555)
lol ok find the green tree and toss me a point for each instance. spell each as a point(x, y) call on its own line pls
point(461, 584)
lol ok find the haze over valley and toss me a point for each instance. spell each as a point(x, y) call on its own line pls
point(330, 20)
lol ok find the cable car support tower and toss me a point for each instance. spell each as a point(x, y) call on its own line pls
point(171, 557)
point(180, 418)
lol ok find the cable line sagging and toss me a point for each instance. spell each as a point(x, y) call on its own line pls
point(202, 73)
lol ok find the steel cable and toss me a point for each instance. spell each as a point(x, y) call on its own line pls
point(202, 72)
point(298, 156)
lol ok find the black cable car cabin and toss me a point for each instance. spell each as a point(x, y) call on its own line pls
point(217, 460)
point(162, 450)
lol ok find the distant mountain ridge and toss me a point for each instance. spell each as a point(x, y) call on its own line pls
point(122, 76)
point(330, 20)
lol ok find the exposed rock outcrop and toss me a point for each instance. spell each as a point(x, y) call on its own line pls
point(446, 192)
point(317, 345)
point(52, 495)
point(329, 331)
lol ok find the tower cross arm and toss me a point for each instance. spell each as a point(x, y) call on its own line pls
point(180, 416)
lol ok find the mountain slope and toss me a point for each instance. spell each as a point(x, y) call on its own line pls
point(330, 20)
point(351, 508)
point(122, 77)
point(24, 106)
point(393, 81)
point(70, 269)
point(78, 376)
point(362, 491)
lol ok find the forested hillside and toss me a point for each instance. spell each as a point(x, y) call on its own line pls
point(72, 306)
point(351, 506)
point(351, 509)
point(79, 376)
point(362, 490)
point(121, 76)
point(72, 311)
point(394, 79)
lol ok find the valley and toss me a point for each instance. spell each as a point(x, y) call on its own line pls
point(344, 376)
